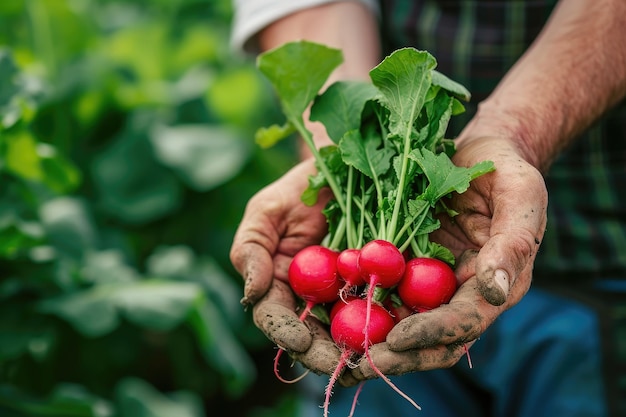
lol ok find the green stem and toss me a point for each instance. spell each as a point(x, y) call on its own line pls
point(340, 233)
point(422, 215)
point(402, 184)
point(362, 219)
point(308, 139)
point(350, 233)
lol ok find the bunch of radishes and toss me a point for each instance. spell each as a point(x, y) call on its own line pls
point(390, 174)
point(346, 281)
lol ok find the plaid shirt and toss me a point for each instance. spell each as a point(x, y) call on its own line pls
point(475, 43)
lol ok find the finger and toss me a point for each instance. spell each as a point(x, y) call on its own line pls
point(323, 355)
point(275, 315)
point(255, 265)
point(518, 224)
point(464, 319)
point(391, 362)
point(252, 248)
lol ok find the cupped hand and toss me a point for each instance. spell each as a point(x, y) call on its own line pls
point(495, 236)
point(276, 224)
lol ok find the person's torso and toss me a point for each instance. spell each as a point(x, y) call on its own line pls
point(475, 43)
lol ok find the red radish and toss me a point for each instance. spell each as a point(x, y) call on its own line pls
point(313, 277)
point(347, 330)
point(397, 311)
point(427, 283)
point(348, 325)
point(381, 263)
point(348, 268)
point(339, 304)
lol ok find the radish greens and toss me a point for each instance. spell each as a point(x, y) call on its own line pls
point(389, 167)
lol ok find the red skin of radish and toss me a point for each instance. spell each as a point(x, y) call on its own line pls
point(313, 274)
point(427, 283)
point(354, 328)
point(339, 304)
point(313, 277)
point(348, 268)
point(398, 312)
point(381, 263)
point(347, 326)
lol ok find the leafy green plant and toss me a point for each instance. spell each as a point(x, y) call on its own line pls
point(390, 168)
point(126, 159)
point(390, 172)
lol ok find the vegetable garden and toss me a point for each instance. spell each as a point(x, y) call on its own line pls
point(127, 155)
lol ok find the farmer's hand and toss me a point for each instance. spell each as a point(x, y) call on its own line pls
point(275, 226)
point(495, 236)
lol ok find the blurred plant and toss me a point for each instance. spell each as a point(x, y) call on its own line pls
point(126, 159)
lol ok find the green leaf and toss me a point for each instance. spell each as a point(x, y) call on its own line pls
point(316, 183)
point(204, 157)
point(221, 348)
point(158, 305)
point(171, 262)
point(444, 177)
point(153, 304)
point(236, 95)
point(404, 79)
point(439, 113)
point(298, 70)
point(21, 157)
point(132, 185)
point(451, 86)
point(91, 312)
point(107, 267)
point(366, 153)
point(17, 91)
point(60, 174)
point(266, 137)
point(23, 333)
point(137, 398)
point(435, 250)
point(64, 401)
point(18, 235)
point(8, 73)
point(68, 225)
point(339, 108)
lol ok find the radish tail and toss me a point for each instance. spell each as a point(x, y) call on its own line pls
point(305, 313)
point(368, 310)
point(469, 359)
point(388, 381)
point(344, 291)
point(277, 373)
point(356, 398)
point(370, 295)
point(333, 379)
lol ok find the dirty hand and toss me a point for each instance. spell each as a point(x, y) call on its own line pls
point(495, 237)
point(275, 226)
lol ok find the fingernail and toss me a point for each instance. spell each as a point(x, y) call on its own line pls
point(502, 279)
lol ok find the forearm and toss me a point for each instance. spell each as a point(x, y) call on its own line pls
point(574, 72)
point(349, 26)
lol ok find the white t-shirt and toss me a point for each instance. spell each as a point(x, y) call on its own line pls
point(253, 15)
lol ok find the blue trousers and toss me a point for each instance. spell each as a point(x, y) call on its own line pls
point(542, 357)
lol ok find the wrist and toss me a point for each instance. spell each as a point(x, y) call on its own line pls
point(534, 137)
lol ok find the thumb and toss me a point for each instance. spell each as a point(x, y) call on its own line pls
point(504, 264)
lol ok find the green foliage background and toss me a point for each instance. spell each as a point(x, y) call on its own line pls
point(126, 160)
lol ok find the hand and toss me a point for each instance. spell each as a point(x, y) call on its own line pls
point(275, 226)
point(495, 237)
